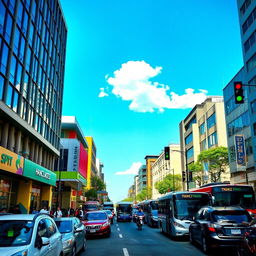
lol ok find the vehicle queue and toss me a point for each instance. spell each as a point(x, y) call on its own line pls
point(214, 216)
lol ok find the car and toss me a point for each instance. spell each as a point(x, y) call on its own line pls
point(153, 219)
point(73, 235)
point(29, 234)
point(110, 216)
point(97, 223)
point(215, 227)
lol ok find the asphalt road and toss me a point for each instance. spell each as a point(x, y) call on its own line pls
point(126, 240)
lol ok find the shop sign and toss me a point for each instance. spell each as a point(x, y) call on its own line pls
point(11, 162)
point(37, 172)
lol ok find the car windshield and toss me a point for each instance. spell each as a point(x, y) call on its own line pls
point(90, 207)
point(15, 232)
point(64, 226)
point(96, 216)
point(155, 213)
point(231, 216)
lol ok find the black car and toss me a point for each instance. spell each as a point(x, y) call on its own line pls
point(219, 227)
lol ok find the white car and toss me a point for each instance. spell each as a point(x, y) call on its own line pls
point(29, 234)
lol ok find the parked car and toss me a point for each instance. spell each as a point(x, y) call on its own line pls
point(73, 235)
point(29, 234)
point(153, 218)
point(219, 227)
point(97, 223)
point(110, 216)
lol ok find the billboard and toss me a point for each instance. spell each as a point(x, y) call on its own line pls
point(240, 150)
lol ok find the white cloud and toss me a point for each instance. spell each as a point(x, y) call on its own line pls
point(132, 170)
point(132, 83)
point(102, 93)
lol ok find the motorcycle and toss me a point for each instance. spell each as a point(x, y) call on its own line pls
point(139, 222)
point(248, 244)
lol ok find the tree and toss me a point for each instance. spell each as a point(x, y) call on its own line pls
point(217, 158)
point(197, 172)
point(143, 195)
point(168, 184)
point(128, 199)
point(96, 185)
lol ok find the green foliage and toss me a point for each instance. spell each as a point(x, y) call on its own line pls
point(97, 185)
point(198, 172)
point(128, 199)
point(168, 184)
point(91, 194)
point(218, 161)
point(143, 195)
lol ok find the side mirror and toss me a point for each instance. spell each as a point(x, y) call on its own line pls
point(80, 229)
point(45, 241)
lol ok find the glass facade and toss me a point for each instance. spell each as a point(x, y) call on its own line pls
point(32, 61)
point(211, 121)
point(189, 138)
point(238, 124)
point(212, 140)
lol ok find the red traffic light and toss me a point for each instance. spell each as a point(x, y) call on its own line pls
point(238, 86)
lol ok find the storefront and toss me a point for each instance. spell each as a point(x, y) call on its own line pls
point(38, 187)
point(11, 169)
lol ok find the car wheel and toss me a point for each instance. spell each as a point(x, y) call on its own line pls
point(84, 246)
point(73, 251)
point(205, 245)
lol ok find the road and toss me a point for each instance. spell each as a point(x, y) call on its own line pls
point(126, 240)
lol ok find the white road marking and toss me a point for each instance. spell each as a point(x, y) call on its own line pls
point(125, 252)
point(120, 235)
point(118, 229)
point(117, 225)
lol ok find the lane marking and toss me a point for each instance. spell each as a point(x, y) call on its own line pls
point(120, 235)
point(118, 229)
point(117, 225)
point(125, 252)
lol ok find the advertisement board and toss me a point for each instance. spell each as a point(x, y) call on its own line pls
point(11, 162)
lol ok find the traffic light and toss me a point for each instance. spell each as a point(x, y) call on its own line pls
point(166, 153)
point(239, 92)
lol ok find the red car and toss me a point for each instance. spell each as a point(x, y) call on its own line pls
point(97, 223)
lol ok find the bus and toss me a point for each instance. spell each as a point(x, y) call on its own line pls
point(231, 195)
point(176, 211)
point(149, 208)
point(108, 206)
point(124, 211)
point(91, 206)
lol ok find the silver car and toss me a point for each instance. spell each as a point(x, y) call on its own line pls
point(73, 235)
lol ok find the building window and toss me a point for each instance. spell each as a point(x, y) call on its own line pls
point(190, 153)
point(1, 86)
point(253, 82)
point(211, 121)
point(249, 21)
point(4, 58)
point(203, 145)
point(189, 138)
point(232, 154)
point(238, 124)
point(212, 140)
point(250, 42)
point(230, 105)
point(251, 63)
point(248, 146)
point(245, 6)
point(9, 96)
point(189, 124)
point(202, 129)
point(253, 106)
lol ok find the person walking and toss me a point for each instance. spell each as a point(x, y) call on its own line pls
point(58, 213)
point(44, 210)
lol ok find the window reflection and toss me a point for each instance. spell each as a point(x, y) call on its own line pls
point(9, 96)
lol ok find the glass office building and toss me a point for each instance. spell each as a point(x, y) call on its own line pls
point(33, 36)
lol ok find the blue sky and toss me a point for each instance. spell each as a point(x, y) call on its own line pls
point(140, 57)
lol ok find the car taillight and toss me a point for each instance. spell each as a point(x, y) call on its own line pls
point(211, 229)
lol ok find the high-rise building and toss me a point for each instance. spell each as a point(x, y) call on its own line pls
point(92, 168)
point(149, 163)
point(203, 128)
point(161, 168)
point(142, 178)
point(33, 38)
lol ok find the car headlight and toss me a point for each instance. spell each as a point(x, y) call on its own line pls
point(21, 253)
point(178, 225)
point(67, 243)
point(105, 224)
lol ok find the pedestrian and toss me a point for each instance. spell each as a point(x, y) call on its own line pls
point(80, 213)
point(44, 210)
point(58, 213)
point(34, 211)
point(16, 209)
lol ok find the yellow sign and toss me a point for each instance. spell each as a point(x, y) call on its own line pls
point(11, 162)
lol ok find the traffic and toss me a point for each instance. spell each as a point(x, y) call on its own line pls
point(212, 217)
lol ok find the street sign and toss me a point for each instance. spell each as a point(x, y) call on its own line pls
point(240, 150)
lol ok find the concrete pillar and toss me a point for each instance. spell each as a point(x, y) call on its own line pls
point(5, 135)
point(53, 161)
point(26, 147)
point(18, 142)
point(36, 154)
point(40, 155)
point(11, 140)
point(24, 195)
point(32, 151)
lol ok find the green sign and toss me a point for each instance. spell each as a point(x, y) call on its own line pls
point(68, 175)
point(37, 172)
